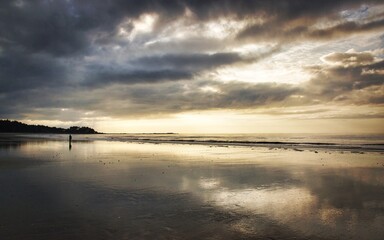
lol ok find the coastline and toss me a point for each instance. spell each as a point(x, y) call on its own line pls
point(360, 146)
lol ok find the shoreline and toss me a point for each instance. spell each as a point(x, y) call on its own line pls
point(358, 148)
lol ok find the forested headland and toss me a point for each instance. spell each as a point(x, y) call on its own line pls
point(8, 126)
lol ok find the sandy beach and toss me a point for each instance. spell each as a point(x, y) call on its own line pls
point(102, 189)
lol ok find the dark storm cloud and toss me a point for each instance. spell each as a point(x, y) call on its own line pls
point(169, 67)
point(345, 28)
point(137, 76)
point(242, 95)
point(61, 27)
point(344, 83)
point(191, 61)
point(198, 62)
point(67, 27)
point(41, 26)
point(19, 72)
point(291, 20)
point(331, 83)
point(141, 99)
point(178, 97)
point(273, 30)
point(282, 9)
point(155, 69)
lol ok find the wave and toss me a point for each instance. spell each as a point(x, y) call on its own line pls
point(377, 147)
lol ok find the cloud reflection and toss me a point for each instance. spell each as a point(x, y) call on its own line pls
point(225, 192)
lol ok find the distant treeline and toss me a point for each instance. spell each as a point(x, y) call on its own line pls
point(7, 126)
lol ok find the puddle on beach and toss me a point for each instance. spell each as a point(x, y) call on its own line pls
point(120, 190)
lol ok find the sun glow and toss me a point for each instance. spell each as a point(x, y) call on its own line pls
point(261, 73)
point(231, 121)
point(133, 27)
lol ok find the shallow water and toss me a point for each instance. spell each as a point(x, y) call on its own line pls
point(119, 190)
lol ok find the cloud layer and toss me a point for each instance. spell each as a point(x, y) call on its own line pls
point(140, 58)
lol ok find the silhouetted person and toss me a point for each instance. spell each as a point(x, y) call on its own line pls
point(70, 142)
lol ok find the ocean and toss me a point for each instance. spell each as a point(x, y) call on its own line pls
point(187, 186)
point(362, 142)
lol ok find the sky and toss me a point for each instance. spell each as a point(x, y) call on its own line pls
point(194, 66)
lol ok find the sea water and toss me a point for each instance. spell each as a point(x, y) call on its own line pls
point(173, 186)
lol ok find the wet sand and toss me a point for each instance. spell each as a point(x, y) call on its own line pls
point(120, 190)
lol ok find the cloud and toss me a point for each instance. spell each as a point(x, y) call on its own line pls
point(130, 58)
point(145, 100)
point(160, 68)
point(73, 27)
point(281, 9)
point(345, 29)
point(168, 67)
point(201, 61)
point(351, 77)
point(19, 72)
point(314, 21)
point(191, 61)
point(136, 76)
point(349, 58)
point(41, 26)
point(175, 98)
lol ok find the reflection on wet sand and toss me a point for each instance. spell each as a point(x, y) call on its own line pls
point(122, 190)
